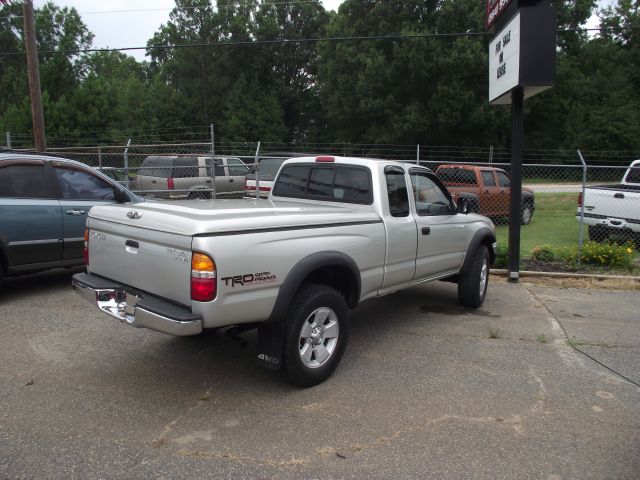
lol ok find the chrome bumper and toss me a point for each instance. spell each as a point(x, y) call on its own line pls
point(140, 312)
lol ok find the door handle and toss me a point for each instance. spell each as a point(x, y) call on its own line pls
point(619, 195)
point(153, 181)
point(208, 181)
point(75, 212)
point(231, 180)
point(426, 230)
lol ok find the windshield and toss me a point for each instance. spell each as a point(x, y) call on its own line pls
point(634, 175)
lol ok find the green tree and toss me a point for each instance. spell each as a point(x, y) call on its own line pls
point(58, 30)
point(289, 70)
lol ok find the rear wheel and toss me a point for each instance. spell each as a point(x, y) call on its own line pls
point(316, 334)
point(472, 286)
point(598, 234)
point(204, 195)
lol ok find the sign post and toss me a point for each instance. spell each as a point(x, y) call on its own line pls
point(522, 58)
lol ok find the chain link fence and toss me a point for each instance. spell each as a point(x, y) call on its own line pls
point(567, 206)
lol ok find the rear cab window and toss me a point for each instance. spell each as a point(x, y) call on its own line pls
point(332, 183)
point(634, 175)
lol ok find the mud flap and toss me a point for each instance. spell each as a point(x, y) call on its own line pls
point(270, 346)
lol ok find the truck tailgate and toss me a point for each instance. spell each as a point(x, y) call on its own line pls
point(150, 260)
point(613, 202)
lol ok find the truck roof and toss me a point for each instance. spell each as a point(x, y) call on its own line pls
point(346, 160)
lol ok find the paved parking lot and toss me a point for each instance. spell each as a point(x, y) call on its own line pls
point(423, 391)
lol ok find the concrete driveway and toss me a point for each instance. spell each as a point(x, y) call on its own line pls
point(426, 389)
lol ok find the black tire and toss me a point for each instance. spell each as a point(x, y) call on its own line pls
point(204, 195)
point(526, 214)
point(474, 205)
point(471, 288)
point(598, 234)
point(307, 302)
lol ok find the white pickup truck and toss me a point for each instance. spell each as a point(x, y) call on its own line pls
point(613, 210)
point(334, 232)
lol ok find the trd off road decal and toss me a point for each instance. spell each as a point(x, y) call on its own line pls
point(249, 279)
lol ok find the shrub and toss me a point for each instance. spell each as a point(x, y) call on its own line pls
point(608, 254)
point(502, 256)
point(543, 254)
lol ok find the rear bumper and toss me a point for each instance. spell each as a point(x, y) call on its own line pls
point(138, 309)
point(611, 223)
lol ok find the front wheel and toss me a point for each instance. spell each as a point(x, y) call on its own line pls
point(527, 214)
point(472, 286)
point(316, 334)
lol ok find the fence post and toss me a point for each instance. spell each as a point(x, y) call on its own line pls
point(9, 140)
point(584, 184)
point(490, 154)
point(256, 168)
point(100, 158)
point(418, 155)
point(213, 159)
point(126, 165)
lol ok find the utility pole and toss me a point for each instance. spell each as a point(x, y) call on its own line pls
point(34, 76)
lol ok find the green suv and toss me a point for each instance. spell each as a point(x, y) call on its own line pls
point(43, 208)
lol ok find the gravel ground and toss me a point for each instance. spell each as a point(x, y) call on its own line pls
point(426, 389)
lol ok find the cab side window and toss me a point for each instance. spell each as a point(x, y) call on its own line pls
point(185, 167)
point(397, 191)
point(429, 197)
point(218, 169)
point(503, 179)
point(236, 167)
point(488, 179)
point(79, 185)
point(23, 181)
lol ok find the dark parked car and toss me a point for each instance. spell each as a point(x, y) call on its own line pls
point(43, 206)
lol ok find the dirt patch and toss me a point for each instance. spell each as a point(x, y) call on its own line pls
point(593, 283)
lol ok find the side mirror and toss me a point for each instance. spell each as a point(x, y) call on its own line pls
point(463, 205)
point(120, 195)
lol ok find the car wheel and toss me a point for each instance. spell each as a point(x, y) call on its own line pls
point(472, 286)
point(527, 214)
point(316, 334)
point(598, 234)
point(200, 195)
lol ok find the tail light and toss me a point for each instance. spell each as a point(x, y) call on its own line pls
point(325, 159)
point(85, 248)
point(170, 184)
point(580, 199)
point(203, 278)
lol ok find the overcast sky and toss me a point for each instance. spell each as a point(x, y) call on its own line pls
point(128, 23)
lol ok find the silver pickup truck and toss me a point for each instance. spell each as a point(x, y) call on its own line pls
point(334, 232)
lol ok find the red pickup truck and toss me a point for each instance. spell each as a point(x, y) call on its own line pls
point(487, 189)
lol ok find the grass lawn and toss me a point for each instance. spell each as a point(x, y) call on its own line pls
point(554, 224)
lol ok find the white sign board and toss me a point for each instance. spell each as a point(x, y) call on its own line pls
point(504, 60)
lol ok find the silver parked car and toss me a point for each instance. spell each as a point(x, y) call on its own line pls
point(172, 176)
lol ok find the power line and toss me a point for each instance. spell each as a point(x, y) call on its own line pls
point(260, 42)
point(216, 7)
point(303, 40)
